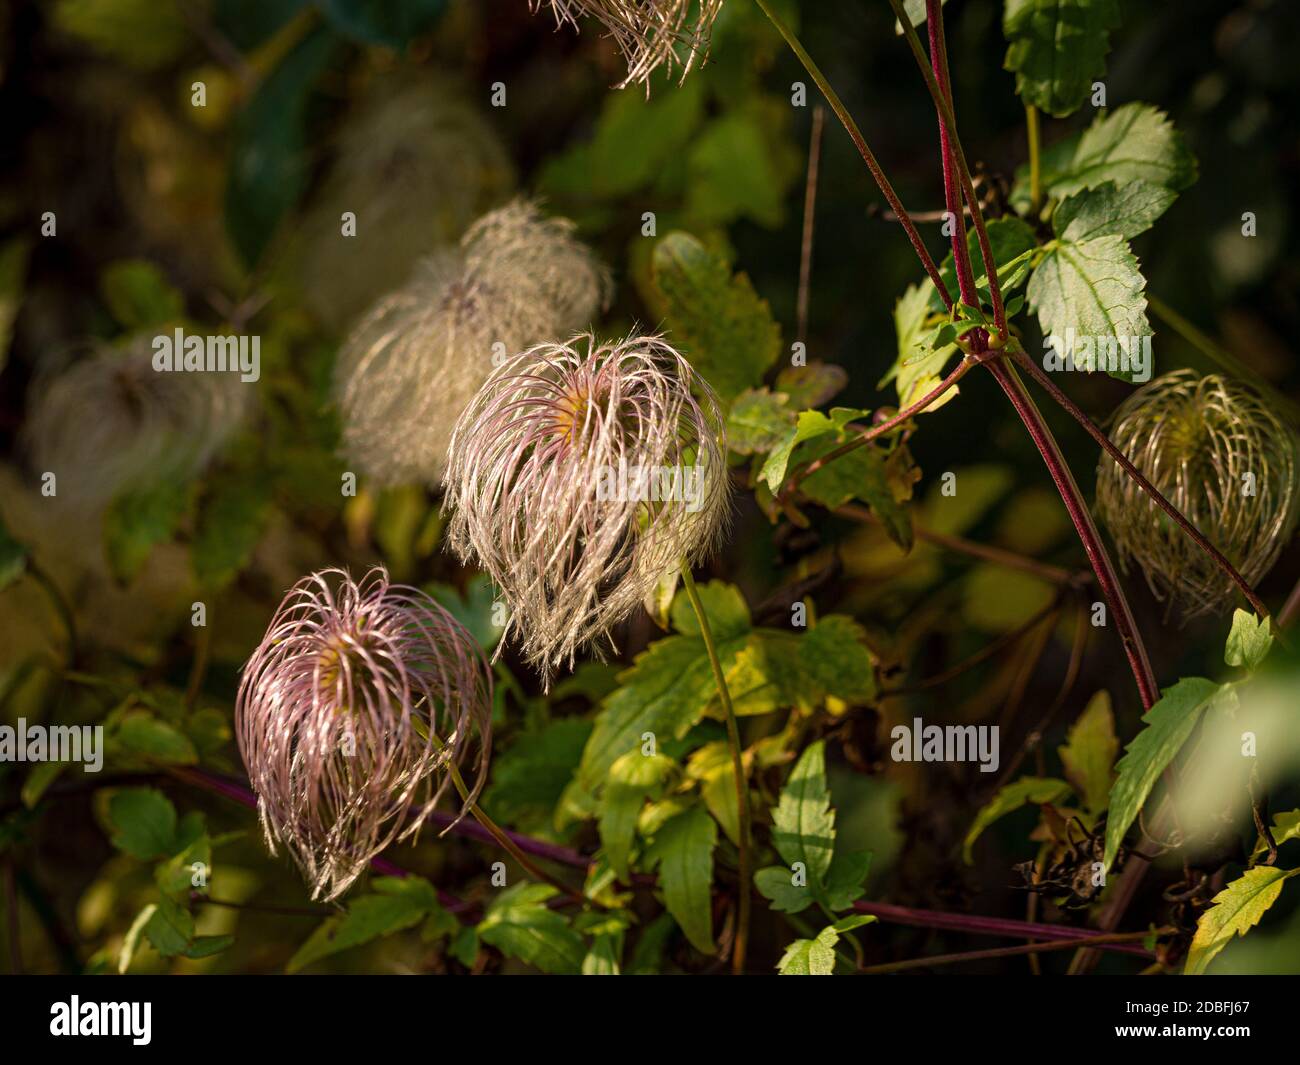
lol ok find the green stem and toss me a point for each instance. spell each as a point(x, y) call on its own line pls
point(841, 112)
point(1035, 167)
point(1219, 355)
point(738, 767)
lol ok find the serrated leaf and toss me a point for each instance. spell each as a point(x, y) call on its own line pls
point(632, 778)
point(682, 850)
point(912, 377)
point(1248, 642)
point(845, 879)
point(1168, 724)
point(717, 320)
point(398, 903)
point(1058, 49)
point(809, 425)
point(724, 606)
point(777, 884)
point(810, 957)
point(1285, 827)
point(803, 824)
point(1111, 210)
point(1088, 754)
point(758, 421)
point(1235, 911)
point(170, 929)
point(530, 775)
point(520, 925)
point(811, 385)
point(1135, 142)
point(1018, 793)
point(143, 822)
point(1091, 290)
point(863, 473)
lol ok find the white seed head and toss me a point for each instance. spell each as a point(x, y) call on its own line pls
point(540, 486)
point(417, 358)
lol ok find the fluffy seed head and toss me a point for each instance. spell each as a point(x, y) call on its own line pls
point(111, 423)
point(543, 491)
point(414, 362)
point(649, 33)
point(351, 714)
point(416, 165)
point(1220, 455)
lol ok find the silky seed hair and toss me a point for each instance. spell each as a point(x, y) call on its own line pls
point(415, 361)
point(351, 717)
point(648, 33)
point(1217, 452)
point(524, 486)
point(416, 165)
point(110, 423)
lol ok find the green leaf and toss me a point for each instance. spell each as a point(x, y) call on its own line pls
point(1012, 241)
point(777, 884)
point(142, 822)
point(632, 778)
point(865, 474)
point(398, 903)
point(758, 421)
point(140, 733)
point(136, 522)
point(1169, 723)
point(142, 34)
point(731, 172)
point(1089, 753)
point(1111, 210)
point(809, 425)
point(810, 957)
point(835, 662)
point(1058, 49)
point(1037, 790)
point(682, 849)
point(915, 12)
point(170, 929)
point(914, 377)
point(38, 780)
point(1136, 142)
point(233, 514)
point(13, 557)
point(712, 766)
point(811, 385)
point(519, 924)
point(139, 296)
point(268, 157)
point(724, 606)
point(530, 775)
point(207, 946)
point(803, 824)
point(474, 609)
point(380, 21)
point(1248, 642)
point(717, 320)
point(845, 880)
point(1094, 290)
point(1236, 910)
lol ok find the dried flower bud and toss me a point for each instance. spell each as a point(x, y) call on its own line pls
point(1218, 453)
point(110, 423)
point(415, 165)
point(418, 357)
point(648, 33)
point(579, 477)
point(351, 712)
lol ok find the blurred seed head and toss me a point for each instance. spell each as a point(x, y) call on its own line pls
point(524, 485)
point(649, 33)
point(416, 165)
point(417, 358)
point(1203, 441)
point(351, 713)
point(110, 423)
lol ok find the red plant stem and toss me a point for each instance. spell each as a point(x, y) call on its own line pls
point(1093, 430)
point(951, 193)
point(989, 926)
point(1107, 579)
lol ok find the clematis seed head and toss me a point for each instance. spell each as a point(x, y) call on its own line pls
point(1216, 450)
point(581, 475)
point(352, 715)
